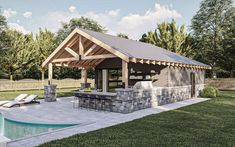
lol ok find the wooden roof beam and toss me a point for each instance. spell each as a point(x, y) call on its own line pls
point(62, 65)
point(81, 46)
point(66, 59)
point(153, 62)
point(158, 62)
point(163, 63)
point(140, 61)
point(147, 61)
point(104, 56)
point(133, 60)
point(105, 46)
point(72, 52)
point(90, 49)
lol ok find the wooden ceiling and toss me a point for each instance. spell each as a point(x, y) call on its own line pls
point(70, 55)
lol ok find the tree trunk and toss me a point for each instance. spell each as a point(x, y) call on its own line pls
point(11, 77)
point(231, 73)
point(43, 75)
point(11, 81)
point(214, 75)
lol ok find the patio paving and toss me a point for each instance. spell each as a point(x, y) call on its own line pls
point(62, 112)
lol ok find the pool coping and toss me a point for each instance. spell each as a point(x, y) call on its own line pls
point(48, 133)
point(91, 126)
point(45, 133)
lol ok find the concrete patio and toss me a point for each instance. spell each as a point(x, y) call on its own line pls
point(62, 112)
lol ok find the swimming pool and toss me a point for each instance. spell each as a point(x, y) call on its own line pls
point(16, 130)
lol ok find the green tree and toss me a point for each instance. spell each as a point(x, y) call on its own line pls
point(3, 26)
point(228, 44)
point(123, 35)
point(207, 30)
point(45, 43)
point(84, 23)
point(170, 37)
point(19, 53)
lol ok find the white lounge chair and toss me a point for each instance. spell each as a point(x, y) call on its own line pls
point(17, 99)
point(28, 100)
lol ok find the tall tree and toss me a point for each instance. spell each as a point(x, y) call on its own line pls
point(207, 30)
point(84, 23)
point(3, 26)
point(45, 43)
point(170, 37)
point(228, 44)
point(18, 54)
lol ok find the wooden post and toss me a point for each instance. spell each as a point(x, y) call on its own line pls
point(43, 76)
point(50, 72)
point(105, 80)
point(125, 73)
point(81, 47)
point(84, 75)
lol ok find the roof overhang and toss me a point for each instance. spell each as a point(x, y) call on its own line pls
point(80, 49)
point(70, 51)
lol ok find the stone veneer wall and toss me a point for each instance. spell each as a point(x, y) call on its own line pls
point(130, 100)
point(199, 88)
point(166, 95)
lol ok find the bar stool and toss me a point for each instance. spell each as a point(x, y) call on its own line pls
point(87, 105)
point(98, 103)
point(75, 102)
point(108, 105)
point(92, 102)
point(80, 102)
point(103, 99)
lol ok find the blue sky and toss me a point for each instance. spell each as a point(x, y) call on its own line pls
point(133, 17)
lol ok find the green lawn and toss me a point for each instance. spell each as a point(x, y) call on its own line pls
point(211, 123)
point(6, 95)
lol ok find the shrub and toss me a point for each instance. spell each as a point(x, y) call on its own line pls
point(217, 91)
point(209, 92)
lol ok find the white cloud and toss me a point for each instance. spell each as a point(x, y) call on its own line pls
point(17, 27)
point(114, 12)
point(142, 23)
point(54, 19)
point(132, 24)
point(72, 9)
point(9, 13)
point(27, 14)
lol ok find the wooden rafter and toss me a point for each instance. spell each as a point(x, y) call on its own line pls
point(90, 49)
point(133, 60)
point(105, 46)
point(104, 56)
point(147, 61)
point(66, 59)
point(72, 52)
point(153, 62)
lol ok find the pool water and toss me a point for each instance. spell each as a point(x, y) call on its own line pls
point(15, 130)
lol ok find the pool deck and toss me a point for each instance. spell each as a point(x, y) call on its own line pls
point(62, 112)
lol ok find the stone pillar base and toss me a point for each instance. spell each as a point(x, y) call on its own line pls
point(50, 93)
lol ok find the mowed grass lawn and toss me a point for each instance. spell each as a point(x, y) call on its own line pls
point(211, 123)
point(8, 95)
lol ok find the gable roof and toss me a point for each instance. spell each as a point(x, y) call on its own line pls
point(136, 49)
